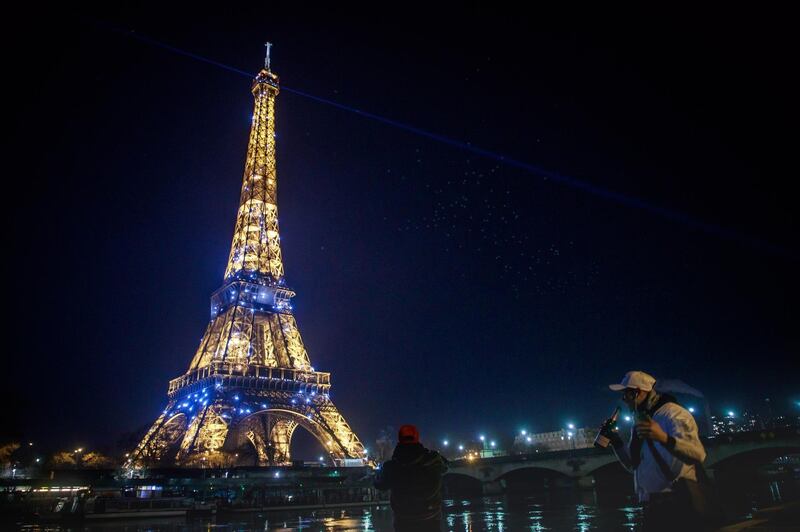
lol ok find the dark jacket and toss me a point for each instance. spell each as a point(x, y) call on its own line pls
point(414, 474)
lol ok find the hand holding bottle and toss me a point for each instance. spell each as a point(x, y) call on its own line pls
point(607, 435)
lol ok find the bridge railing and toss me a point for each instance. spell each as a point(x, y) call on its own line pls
point(761, 436)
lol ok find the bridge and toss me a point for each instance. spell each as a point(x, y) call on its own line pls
point(582, 464)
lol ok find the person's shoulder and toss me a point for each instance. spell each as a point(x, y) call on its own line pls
point(678, 415)
point(673, 409)
point(432, 456)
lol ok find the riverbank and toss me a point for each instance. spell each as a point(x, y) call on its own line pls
point(320, 506)
point(776, 518)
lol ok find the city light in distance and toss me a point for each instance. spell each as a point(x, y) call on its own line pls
point(445, 443)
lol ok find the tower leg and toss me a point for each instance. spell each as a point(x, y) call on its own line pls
point(204, 438)
point(159, 444)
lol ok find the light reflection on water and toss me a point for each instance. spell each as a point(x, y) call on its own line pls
point(551, 512)
point(476, 515)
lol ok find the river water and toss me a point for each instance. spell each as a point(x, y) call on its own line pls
point(568, 510)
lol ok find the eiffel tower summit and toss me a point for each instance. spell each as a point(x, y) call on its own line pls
point(250, 384)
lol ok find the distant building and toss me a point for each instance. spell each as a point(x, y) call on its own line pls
point(559, 440)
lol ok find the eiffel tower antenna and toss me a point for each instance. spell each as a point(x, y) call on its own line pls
point(266, 59)
point(250, 383)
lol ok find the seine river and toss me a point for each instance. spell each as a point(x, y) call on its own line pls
point(558, 510)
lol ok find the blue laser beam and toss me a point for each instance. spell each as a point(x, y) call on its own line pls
point(579, 184)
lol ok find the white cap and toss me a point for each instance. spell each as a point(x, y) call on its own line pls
point(635, 379)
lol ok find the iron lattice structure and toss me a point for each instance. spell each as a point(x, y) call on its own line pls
point(250, 384)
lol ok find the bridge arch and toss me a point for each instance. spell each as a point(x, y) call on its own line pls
point(460, 484)
point(531, 477)
point(753, 457)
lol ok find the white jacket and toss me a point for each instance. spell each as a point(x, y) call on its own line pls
point(687, 449)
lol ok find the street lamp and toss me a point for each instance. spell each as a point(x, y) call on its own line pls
point(570, 434)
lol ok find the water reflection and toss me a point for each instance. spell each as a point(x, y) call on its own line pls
point(544, 511)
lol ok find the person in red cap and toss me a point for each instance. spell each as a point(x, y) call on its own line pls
point(414, 476)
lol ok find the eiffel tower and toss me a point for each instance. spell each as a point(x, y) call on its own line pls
point(250, 384)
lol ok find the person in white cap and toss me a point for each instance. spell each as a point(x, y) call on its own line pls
point(664, 454)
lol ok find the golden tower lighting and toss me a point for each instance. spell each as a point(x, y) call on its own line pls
point(250, 384)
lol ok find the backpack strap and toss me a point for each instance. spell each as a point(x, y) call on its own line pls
point(662, 464)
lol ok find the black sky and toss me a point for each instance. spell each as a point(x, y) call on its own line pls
point(438, 286)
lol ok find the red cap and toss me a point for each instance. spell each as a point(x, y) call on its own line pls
point(408, 434)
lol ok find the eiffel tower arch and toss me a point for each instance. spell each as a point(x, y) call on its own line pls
point(250, 384)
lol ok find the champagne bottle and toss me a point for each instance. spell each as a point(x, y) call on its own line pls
point(604, 435)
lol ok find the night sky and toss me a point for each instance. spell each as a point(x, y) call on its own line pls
point(438, 284)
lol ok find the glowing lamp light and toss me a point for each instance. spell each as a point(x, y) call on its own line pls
point(492, 444)
point(628, 419)
point(523, 432)
point(730, 413)
point(460, 447)
point(482, 437)
point(691, 409)
point(528, 439)
point(277, 474)
point(570, 426)
point(445, 442)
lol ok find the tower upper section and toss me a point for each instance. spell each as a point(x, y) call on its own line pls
point(255, 250)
